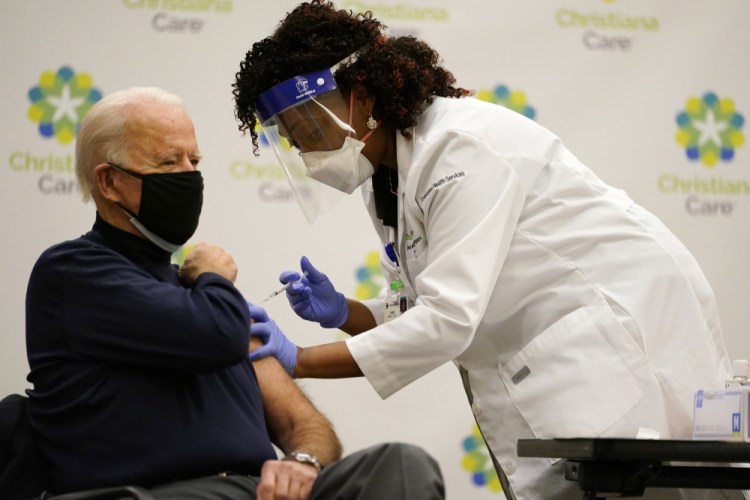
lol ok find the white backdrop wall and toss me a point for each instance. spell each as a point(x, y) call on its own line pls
point(652, 95)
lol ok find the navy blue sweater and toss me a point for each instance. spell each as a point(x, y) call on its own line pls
point(136, 378)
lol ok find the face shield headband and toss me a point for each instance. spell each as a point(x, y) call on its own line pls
point(305, 114)
point(299, 88)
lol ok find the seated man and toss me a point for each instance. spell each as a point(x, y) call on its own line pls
point(140, 370)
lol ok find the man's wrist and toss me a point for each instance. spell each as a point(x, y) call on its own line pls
point(304, 458)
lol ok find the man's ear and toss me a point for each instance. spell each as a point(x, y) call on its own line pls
point(106, 182)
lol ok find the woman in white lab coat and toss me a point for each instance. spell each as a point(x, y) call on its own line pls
point(568, 309)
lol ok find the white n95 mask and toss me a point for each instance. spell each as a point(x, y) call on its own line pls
point(344, 169)
point(304, 120)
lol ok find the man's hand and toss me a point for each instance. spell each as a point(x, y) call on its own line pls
point(207, 258)
point(285, 480)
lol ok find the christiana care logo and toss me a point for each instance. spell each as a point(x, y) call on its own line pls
point(709, 129)
point(478, 463)
point(60, 101)
point(511, 99)
point(370, 279)
point(264, 172)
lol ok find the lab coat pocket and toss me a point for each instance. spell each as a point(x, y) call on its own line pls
point(570, 381)
point(416, 261)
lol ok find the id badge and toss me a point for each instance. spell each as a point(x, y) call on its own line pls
point(396, 301)
point(392, 306)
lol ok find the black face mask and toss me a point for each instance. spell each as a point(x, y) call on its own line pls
point(170, 205)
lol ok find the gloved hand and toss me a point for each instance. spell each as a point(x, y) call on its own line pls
point(314, 298)
point(275, 342)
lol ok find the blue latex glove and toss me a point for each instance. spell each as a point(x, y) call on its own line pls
point(275, 342)
point(313, 296)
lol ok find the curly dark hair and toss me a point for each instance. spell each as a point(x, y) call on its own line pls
point(403, 74)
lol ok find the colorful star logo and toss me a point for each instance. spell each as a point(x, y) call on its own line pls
point(370, 279)
point(477, 461)
point(515, 100)
point(709, 129)
point(264, 141)
point(60, 101)
point(179, 256)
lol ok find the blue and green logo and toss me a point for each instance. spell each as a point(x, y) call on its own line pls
point(709, 129)
point(179, 255)
point(60, 101)
point(511, 99)
point(478, 462)
point(370, 278)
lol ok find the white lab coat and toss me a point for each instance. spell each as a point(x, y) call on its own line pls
point(569, 310)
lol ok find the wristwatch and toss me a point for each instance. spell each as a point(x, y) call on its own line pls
point(304, 458)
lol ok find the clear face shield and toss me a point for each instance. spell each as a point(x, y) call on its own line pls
point(305, 119)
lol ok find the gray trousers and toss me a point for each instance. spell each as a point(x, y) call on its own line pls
point(395, 471)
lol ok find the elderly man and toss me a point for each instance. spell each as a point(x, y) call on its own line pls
point(139, 369)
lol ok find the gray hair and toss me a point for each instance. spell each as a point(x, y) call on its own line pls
point(103, 136)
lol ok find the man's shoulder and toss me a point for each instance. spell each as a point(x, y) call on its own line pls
point(67, 252)
point(55, 264)
point(67, 247)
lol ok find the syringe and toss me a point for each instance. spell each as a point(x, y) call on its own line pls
point(282, 289)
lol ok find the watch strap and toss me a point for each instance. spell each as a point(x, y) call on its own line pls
point(304, 458)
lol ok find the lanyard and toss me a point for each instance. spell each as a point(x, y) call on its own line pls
point(390, 251)
point(397, 302)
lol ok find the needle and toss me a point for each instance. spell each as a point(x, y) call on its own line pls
point(280, 290)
